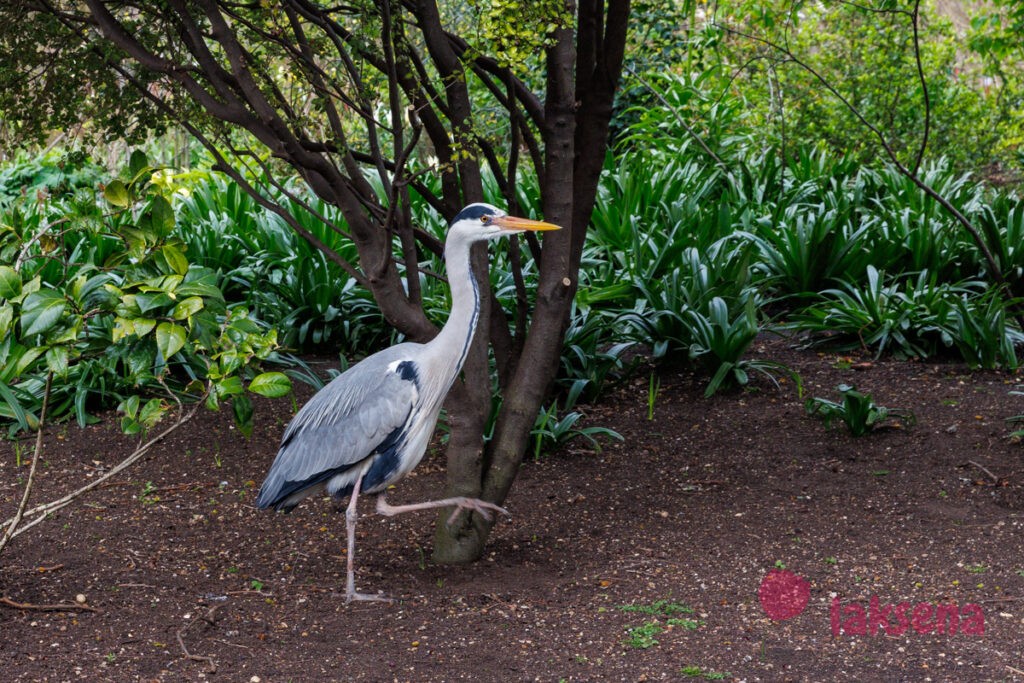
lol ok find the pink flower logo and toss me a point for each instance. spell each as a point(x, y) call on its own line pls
point(783, 594)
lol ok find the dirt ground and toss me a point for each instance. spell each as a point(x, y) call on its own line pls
point(644, 561)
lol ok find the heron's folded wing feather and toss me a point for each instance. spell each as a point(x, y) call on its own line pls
point(341, 425)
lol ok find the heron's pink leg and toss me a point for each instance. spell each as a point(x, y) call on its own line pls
point(350, 524)
point(460, 503)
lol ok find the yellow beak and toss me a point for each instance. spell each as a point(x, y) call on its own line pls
point(519, 224)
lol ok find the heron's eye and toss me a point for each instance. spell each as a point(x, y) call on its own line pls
point(485, 219)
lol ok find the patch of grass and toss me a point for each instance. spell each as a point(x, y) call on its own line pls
point(843, 363)
point(659, 607)
point(148, 495)
point(688, 624)
point(694, 671)
point(977, 568)
point(642, 637)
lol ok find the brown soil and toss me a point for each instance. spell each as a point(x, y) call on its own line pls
point(694, 508)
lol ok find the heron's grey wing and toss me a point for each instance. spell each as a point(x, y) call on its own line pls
point(342, 425)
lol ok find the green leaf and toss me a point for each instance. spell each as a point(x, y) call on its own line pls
point(143, 326)
point(229, 386)
point(122, 328)
point(6, 319)
point(271, 384)
point(40, 311)
point(199, 288)
point(141, 360)
point(57, 360)
point(152, 412)
point(137, 163)
point(11, 407)
point(162, 215)
point(170, 338)
point(242, 407)
point(186, 308)
point(175, 259)
point(10, 283)
point(147, 301)
point(26, 360)
point(32, 285)
point(116, 192)
point(130, 406)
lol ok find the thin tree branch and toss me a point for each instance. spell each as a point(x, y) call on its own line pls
point(915, 19)
point(12, 527)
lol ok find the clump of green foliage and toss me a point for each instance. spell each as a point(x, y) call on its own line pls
point(694, 671)
point(643, 637)
point(98, 292)
point(52, 174)
point(868, 55)
point(857, 411)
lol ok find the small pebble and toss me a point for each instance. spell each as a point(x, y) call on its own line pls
point(80, 598)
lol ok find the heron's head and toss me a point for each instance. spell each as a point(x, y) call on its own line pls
point(479, 222)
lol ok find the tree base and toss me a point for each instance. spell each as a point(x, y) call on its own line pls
point(461, 543)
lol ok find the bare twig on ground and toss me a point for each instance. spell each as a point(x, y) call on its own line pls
point(59, 607)
point(41, 512)
point(210, 619)
point(984, 469)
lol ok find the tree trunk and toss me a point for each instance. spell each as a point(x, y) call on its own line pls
point(575, 139)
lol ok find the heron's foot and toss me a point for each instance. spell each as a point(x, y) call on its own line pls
point(460, 503)
point(481, 507)
point(353, 596)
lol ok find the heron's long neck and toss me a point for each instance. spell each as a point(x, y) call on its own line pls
point(452, 343)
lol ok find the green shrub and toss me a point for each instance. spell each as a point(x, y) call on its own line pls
point(110, 305)
point(52, 174)
point(867, 54)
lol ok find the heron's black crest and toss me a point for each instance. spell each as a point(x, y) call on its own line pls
point(476, 211)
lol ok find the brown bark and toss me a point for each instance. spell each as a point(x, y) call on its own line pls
point(575, 134)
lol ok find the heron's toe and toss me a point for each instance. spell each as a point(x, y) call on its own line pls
point(366, 597)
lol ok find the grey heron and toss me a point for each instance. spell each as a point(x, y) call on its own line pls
point(371, 425)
